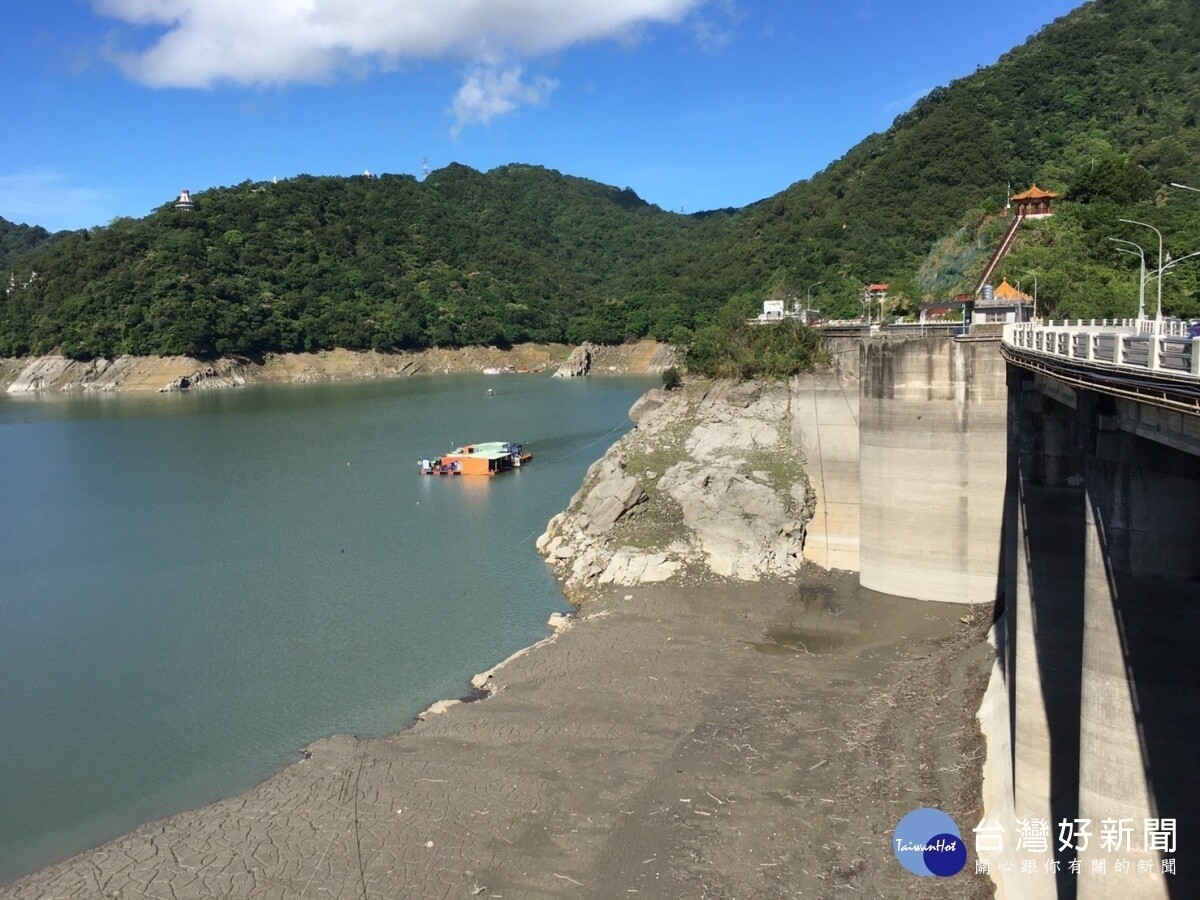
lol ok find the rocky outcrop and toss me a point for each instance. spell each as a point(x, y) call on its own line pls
point(608, 501)
point(647, 403)
point(167, 373)
point(579, 363)
point(745, 528)
point(222, 373)
point(49, 370)
point(709, 482)
point(664, 357)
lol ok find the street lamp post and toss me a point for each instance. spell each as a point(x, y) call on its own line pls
point(1158, 310)
point(1174, 262)
point(1141, 254)
point(1034, 275)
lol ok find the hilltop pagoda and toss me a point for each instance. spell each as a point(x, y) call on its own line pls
point(1034, 202)
point(185, 201)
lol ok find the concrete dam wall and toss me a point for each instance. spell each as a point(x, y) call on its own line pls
point(905, 443)
point(824, 422)
point(946, 473)
point(932, 468)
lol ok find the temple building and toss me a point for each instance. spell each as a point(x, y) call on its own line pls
point(1034, 202)
point(1003, 304)
point(956, 309)
point(185, 200)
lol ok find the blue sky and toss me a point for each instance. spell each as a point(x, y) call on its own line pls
point(112, 106)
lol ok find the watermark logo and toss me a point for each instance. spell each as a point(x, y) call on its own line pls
point(927, 842)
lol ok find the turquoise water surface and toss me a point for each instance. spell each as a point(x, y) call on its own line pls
point(194, 586)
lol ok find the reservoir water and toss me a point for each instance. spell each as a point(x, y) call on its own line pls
point(194, 586)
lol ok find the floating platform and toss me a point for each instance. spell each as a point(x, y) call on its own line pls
point(489, 458)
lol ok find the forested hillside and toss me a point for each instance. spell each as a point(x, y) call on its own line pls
point(18, 240)
point(1114, 82)
point(1102, 106)
point(518, 254)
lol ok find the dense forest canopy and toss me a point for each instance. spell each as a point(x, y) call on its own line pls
point(518, 254)
point(20, 240)
point(1102, 106)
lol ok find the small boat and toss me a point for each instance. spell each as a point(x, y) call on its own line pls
point(489, 393)
point(489, 458)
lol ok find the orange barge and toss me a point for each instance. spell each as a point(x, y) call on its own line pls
point(489, 458)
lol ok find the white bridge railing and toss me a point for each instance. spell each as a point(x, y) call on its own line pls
point(1163, 348)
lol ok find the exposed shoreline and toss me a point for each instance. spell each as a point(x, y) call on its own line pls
point(704, 734)
point(47, 376)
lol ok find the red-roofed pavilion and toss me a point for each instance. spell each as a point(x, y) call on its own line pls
point(1034, 202)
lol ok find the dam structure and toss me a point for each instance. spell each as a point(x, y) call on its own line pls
point(1052, 471)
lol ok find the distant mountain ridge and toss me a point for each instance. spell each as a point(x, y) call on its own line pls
point(1103, 106)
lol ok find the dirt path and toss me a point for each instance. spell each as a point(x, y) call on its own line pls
point(720, 740)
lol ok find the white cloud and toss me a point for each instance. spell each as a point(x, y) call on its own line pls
point(489, 92)
point(198, 43)
point(715, 31)
point(201, 43)
point(47, 197)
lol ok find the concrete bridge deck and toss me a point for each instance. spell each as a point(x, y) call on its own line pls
point(1156, 363)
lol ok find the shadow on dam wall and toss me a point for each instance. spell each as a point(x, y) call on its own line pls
point(1043, 594)
point(1102, 590)
point(1140, 692)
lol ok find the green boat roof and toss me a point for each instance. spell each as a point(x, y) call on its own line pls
point(488, 449)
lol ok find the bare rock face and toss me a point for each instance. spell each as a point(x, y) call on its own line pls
point(630, 567)
point(742, 526)
point(579, 362)
point(167, 373)
point(732, 496)
point(44, 372)
point(665, 357)
point(648, 403)
point(609, 500)
point(222, 373)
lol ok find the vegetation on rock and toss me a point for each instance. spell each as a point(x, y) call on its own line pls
point(775, 350)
